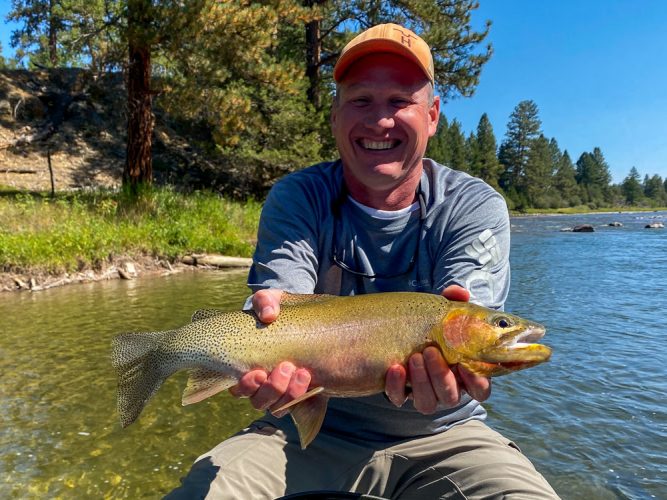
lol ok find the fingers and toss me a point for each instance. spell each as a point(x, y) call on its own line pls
point(266, 304)
point(479, 388)
point(443, 379)
point(425, 400)
point(297, 387)
point(248, 384)
point(267, 391)
point(456, 292)
point(395, 381)
point(433, 382)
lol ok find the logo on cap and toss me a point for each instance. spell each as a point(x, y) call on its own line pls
point(405, 37)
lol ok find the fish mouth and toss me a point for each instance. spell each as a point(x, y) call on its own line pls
point(526, 337)
point(519, 350)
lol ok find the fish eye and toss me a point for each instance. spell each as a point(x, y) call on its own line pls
point(503, 322)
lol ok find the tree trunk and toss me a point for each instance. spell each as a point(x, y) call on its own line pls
point(314, 55)
point(313, 59)
point(138, 162)
point(53, 51)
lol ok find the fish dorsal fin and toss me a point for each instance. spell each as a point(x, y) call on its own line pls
point(308, 412)
point(295, 299)
point(205, 383)
point(206, 313)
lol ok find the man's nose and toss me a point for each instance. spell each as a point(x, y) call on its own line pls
point(380, 118)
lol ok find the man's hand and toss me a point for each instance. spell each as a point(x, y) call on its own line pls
point(433, 380)
point(286, 382)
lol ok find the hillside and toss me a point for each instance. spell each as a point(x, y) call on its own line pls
point(79, 120)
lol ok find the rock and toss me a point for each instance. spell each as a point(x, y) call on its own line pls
point(127, 271)
point(123, 274)
point(583, 228)
point(654, 225)
point(5, 107)
point(615, 224)
point(22, 285)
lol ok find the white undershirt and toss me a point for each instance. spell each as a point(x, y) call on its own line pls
point(385, 214)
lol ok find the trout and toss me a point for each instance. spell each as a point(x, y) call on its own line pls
point(346, 343)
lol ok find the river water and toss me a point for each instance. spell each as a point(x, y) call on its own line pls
point(593, 420)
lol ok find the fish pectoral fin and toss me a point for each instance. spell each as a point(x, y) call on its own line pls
point(308, 414)
point(295, 299)
point(205, 314)
point(204, 383)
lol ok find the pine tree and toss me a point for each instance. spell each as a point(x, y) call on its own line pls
point(41, 22)
point(632, 188)
point(654, 190)
point(446, 26)
point(456, 144)
point(593, 177)
point(522, 130)
point(80, 33)
point(471, 154)
point(565, 181)
point(437, 148)
point(538, 172)
point(486, 164)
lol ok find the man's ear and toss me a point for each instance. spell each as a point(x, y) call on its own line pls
point(434, 116)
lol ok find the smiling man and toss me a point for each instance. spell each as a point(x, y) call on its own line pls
point(381, 218)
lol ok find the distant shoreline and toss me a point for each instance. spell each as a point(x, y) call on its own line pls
point(559, 212)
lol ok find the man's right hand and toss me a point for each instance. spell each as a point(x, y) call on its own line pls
point(269, 391)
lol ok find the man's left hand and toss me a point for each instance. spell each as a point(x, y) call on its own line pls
point(433, 381)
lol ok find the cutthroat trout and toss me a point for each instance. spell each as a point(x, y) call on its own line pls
point(346, 343)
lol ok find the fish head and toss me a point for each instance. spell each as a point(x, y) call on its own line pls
point(491, 343)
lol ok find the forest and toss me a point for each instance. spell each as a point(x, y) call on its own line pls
point(253, 80)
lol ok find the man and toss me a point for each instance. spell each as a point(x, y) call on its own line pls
point(382, 218)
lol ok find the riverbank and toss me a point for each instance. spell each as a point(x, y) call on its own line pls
point(127, 268)
point(101, 234)
point(97, 235)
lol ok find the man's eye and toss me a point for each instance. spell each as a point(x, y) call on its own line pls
point(400, 102)
point(360, 101)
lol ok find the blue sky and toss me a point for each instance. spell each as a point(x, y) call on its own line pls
point(597, 70)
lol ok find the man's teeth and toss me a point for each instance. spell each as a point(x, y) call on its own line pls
point(377, 144)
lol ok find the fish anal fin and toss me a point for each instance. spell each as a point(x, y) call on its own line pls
point(205, 383)
point(205, 314)
point(295, 299)
point(308, 416)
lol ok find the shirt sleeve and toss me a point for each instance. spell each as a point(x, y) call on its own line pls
point(474, 251)
point(286, 253)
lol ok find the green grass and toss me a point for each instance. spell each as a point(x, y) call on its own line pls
point(584, 209)
point(83, 230)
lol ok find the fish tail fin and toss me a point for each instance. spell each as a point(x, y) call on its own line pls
point(140, 374)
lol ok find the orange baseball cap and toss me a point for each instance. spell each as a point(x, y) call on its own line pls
point(386, 38)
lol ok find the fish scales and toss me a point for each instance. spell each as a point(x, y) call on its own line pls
point(346, 343)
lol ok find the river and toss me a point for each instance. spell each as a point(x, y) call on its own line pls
point(593, 419)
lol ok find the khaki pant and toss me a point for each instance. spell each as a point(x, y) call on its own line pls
point(467, 461)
